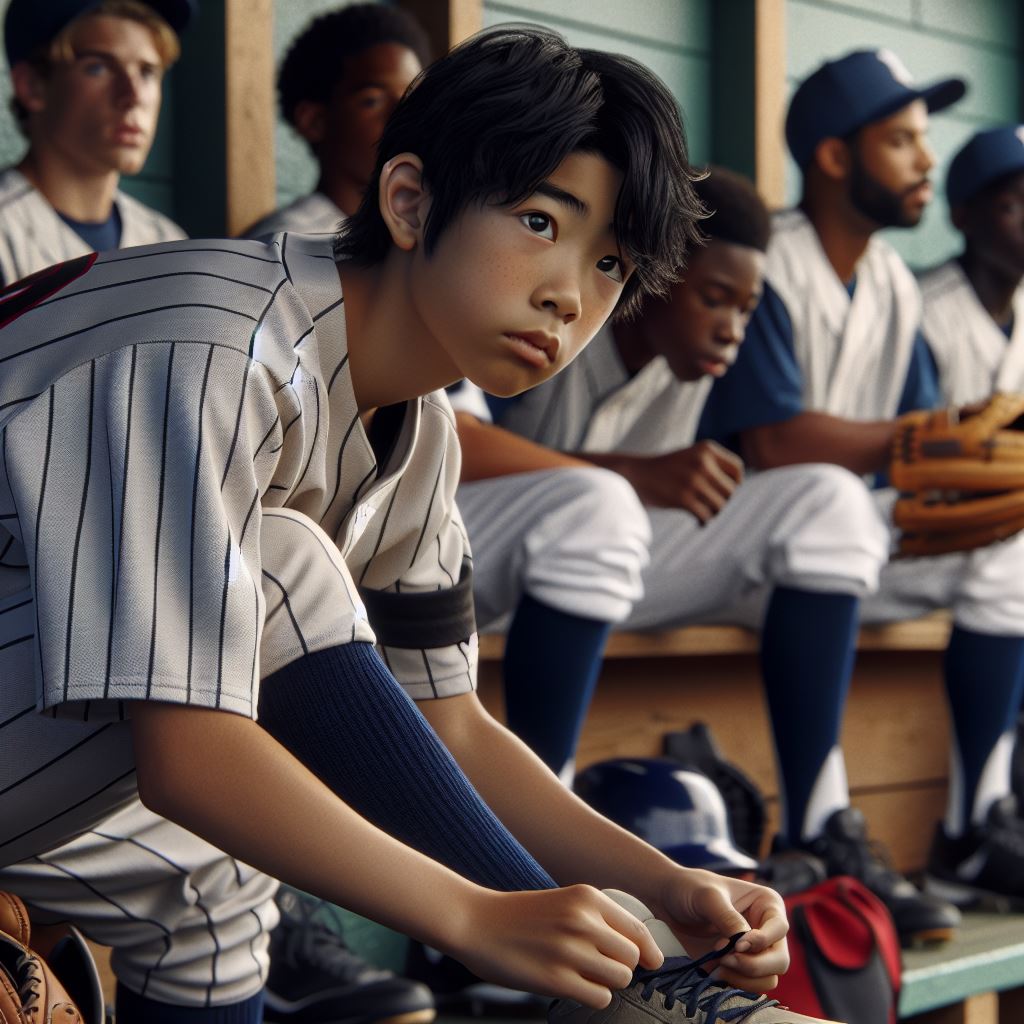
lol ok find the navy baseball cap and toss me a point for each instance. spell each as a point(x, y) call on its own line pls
point(852, 91)
point(987, 156)
point(33, 23)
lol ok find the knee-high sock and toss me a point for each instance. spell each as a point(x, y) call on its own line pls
point(341, 712)
point(552, 661)
point(808, 645)
point(135, 1009)
point(984, 684)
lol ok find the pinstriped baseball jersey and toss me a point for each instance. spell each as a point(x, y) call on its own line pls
point(308, 214)
point(594, 405)
point(188, 502)
point(33, 236)
point(973, 355)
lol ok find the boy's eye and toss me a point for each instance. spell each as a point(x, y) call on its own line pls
point(612, 266)
point(539, 223)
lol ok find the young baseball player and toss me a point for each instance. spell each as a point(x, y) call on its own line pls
point(791, 550)
point(86, 77)
point(211, 489)
point(833, 356)
point(973, 318)
point(337, 85)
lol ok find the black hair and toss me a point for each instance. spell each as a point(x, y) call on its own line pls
point(736, 212)
point(315, 62)
point(497, 115)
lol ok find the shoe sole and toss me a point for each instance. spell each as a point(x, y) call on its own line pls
point(928, 939)
point(294, 1011)
point(968, 897)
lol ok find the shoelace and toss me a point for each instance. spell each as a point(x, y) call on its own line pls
point(680, 978)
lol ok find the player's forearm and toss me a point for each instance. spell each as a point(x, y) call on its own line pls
point(228, 780)
point(571, 841)
point(490, 451)
point(860, 446)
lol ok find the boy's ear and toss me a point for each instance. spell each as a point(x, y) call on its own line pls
point(29, 86)
point(309, 118)
point(404, 200)
point(833, 158)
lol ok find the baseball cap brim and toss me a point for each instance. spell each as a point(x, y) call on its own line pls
point(943, 94)
point(715, 854)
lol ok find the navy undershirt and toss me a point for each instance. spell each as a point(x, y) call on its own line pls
point(100, 237)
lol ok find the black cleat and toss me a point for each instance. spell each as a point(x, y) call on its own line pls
point(920, 918)
point(316, 979)
point(985, 867)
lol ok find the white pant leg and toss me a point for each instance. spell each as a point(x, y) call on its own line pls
point(575, 539)
point(984, 588)
point(188, 925)
point(814, 527)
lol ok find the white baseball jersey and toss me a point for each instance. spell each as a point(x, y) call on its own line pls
point(33, 236)
point(308, 215)
point(973, 355)
point(853, 352)
point(594, 405)
point(189, 502)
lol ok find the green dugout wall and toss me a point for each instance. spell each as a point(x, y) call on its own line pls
point(223, 157)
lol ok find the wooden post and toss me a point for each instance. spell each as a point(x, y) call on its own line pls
point(447, 21)
point(770, 100)
point(249, 95)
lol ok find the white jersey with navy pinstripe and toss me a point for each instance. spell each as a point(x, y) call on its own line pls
point(594, 405)
point(310, 214)
point(188, 502)
point(973, 355)
point(854, 352)
point(33, 236)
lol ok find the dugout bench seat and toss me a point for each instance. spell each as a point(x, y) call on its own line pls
point(895, 737)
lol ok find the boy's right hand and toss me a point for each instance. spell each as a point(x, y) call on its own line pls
point(572, 942)
point(699, 479)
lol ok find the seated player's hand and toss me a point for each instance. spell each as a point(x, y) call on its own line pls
point(705, 909)
point(699, 479)
point(572, 942)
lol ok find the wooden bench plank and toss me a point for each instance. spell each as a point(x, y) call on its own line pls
point(987, 956)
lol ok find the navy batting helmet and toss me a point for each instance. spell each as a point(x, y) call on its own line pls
point(677, 810)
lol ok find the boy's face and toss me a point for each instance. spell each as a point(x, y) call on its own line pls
point(513, 293)
point(701, 326)
point(891, 159)
point(993, 223)
point(100, 111)
point(361, 102)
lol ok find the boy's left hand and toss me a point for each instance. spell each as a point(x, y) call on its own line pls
point(705, 909)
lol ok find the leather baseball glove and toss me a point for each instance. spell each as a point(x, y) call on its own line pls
point(960, 477)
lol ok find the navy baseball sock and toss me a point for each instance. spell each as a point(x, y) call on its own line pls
point(984, 684)
point(135, 1009)
point(808, 643)
point(342, 713)
point(552, 661)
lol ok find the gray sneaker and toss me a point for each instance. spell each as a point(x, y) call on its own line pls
point(678, 992)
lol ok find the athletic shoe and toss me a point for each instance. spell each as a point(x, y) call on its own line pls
point(456, 989)
point(985, 866)
point(316, 979)
point(678, 992)
point(920, 918)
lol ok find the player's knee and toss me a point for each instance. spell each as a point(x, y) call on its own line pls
point(609, 511)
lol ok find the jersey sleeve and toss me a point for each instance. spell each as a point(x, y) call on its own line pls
point(137, 479)
point(424, 620)
point(765, 385)
point(921, 390)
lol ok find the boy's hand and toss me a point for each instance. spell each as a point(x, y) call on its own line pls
point(573, 942)
point(704, 909)
point(699, 479)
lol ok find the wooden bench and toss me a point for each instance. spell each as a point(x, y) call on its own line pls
point(895, 732)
